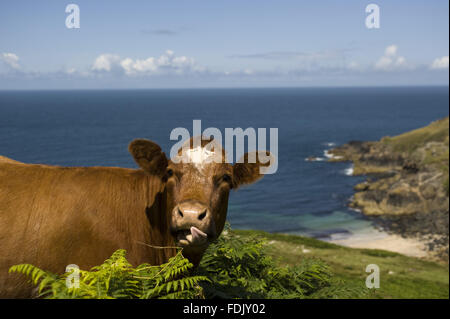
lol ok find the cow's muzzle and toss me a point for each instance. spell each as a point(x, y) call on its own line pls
point(192, 224)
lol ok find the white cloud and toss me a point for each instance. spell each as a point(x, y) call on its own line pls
point(391, 51)
point(11, 59)
point(105, 62)
point(131, 66)
point(169, 69)
point(167, 63)
point(440, 63)
point(390, 60)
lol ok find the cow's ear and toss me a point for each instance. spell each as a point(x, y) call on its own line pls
point(250, 168)
point(149, 156)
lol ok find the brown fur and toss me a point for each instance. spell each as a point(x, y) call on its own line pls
point(53, 216)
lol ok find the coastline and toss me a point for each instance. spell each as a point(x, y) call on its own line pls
point(405, 192)
point(413, 247)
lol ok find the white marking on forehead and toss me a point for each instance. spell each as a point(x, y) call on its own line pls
point(199, 156)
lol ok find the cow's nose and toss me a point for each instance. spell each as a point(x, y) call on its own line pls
point(199, 215)
point(193, 212)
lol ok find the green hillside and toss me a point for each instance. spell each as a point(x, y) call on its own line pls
point(410, 141)
point(401, 276)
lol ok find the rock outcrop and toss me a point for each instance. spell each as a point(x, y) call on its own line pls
point(407, 180)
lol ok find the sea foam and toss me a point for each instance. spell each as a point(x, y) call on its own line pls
point(349, 171)
point(327, 154)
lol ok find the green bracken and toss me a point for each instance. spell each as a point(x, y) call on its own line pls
point(116, 278)
point(233, 267)
point(240, 267)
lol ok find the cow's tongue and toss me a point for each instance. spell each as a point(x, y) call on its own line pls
point(197, 236)
point(197, 233)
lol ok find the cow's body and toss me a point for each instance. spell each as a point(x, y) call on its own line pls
point(54, 216)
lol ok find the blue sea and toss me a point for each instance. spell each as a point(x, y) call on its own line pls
point(92, 128)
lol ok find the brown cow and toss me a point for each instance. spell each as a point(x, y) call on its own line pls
point(53, 216)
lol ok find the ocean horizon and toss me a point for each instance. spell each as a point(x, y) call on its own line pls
point(199, 88)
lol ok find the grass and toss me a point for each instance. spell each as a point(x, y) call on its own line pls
point(437, 159)
point(400, 276)
point(410, 141)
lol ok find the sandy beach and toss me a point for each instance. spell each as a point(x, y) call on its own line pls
point(382, 240)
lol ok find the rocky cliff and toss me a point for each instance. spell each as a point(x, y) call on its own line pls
point(407, 181)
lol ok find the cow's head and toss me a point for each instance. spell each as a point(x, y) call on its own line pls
point(197, 182)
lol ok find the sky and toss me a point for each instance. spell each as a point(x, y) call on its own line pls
point(222, 43)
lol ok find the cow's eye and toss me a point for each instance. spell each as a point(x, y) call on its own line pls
point(169, 173)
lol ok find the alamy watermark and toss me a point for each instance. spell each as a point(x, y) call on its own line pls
point(73, 19)
point(234, 140)
point(373, 280)
point(373, 17)
point(73, 278)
